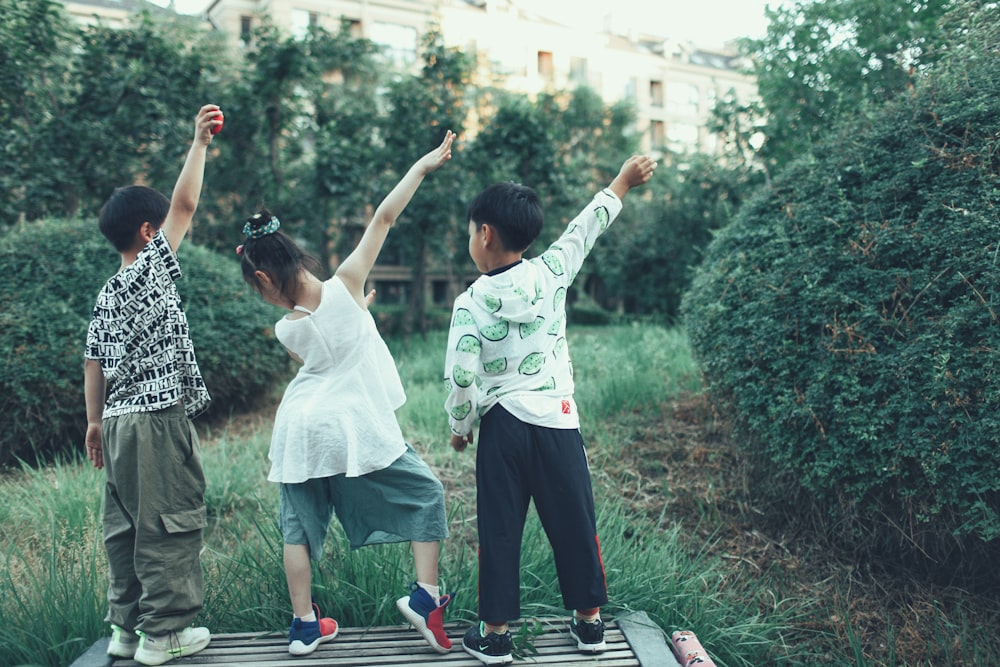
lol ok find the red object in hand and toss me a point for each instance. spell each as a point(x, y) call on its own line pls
point(218, 128)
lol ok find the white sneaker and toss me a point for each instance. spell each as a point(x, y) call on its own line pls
point(158, 649)
point(123, 643)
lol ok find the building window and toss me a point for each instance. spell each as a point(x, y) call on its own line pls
point(398, 42)
point(656, 93)
point(246, 29)
point(631, 88)
point(657, 135)
point(683, 99)
point(302, 21)
point(682, 137)
point(440, 294)
point(392, 292)
point(546, 70)
point(578, 70)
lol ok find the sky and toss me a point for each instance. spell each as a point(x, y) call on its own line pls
point(704, 22)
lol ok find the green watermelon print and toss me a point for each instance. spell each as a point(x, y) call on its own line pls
point(602, 217)
point(531, 364)
point(462, 377)
point(528, 328)
point(469, 343)
point(556, 326)
point(559, 298)
point(521, 293)
point(554, 263)
point(560, 348)
point(496, 331)
point(460, 412)
point(462, 318)
point(492, 303)
point(549, 385)
point(496, 366)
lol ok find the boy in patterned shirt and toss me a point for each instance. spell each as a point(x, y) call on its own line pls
point(508, 365)
point(142, 386)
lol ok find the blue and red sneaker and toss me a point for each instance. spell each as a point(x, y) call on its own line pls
point(427, 616)
point(305, 636)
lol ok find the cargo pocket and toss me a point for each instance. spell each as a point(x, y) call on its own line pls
point(185, 521)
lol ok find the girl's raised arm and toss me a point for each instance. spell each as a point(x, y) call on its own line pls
point(354, 270)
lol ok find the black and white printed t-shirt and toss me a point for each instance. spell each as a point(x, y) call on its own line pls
point(140, 336)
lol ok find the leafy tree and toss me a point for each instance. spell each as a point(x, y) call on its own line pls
point(825, 59)
point(298, 137)
point(135, 92)
point(84, 111)
point(35, 42)
point(651, 255)
point(592, 140)
point(345, 138)
point(514, 143)
point(263, 159)
point(420, 109)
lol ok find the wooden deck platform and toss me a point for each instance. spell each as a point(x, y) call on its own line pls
point(633, 641)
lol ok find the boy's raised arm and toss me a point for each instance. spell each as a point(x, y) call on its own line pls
point(187, 190)
point(355, 268)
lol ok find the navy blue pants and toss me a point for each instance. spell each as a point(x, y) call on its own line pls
point(515, 463)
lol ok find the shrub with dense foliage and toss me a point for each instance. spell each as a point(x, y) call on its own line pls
point(53, 272)
point(851, 313)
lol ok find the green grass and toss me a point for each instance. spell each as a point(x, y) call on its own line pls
point(53, 572)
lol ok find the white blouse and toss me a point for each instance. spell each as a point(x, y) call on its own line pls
point(338, 413)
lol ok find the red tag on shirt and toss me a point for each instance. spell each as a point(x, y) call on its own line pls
point(565, 407)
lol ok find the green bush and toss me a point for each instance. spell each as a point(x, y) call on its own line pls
point(850, 313)
point(54, 271)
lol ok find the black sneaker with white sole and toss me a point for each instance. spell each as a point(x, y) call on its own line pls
point(492, 649)
point(589, 636)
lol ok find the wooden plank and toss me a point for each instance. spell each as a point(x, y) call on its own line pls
point(648, 641)
point(396, 646)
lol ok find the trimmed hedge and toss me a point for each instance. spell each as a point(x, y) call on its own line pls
point(53, 272)
point(851, 314)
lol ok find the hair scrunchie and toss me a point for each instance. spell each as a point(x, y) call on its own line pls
point(270, 227)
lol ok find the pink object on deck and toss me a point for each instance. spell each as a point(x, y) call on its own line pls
point(689, 651)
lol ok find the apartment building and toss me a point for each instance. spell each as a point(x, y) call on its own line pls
point(113, 13)
point(673, 84)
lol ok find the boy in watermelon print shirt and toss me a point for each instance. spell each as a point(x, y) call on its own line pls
point(508, 366)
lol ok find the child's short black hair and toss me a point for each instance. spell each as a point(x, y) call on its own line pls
point(513, 210)
point(276, 254)
point(125, 211)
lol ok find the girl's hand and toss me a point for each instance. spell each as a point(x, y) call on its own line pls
point(438, 156)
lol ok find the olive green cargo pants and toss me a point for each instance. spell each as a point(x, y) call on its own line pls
point(154, 513)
